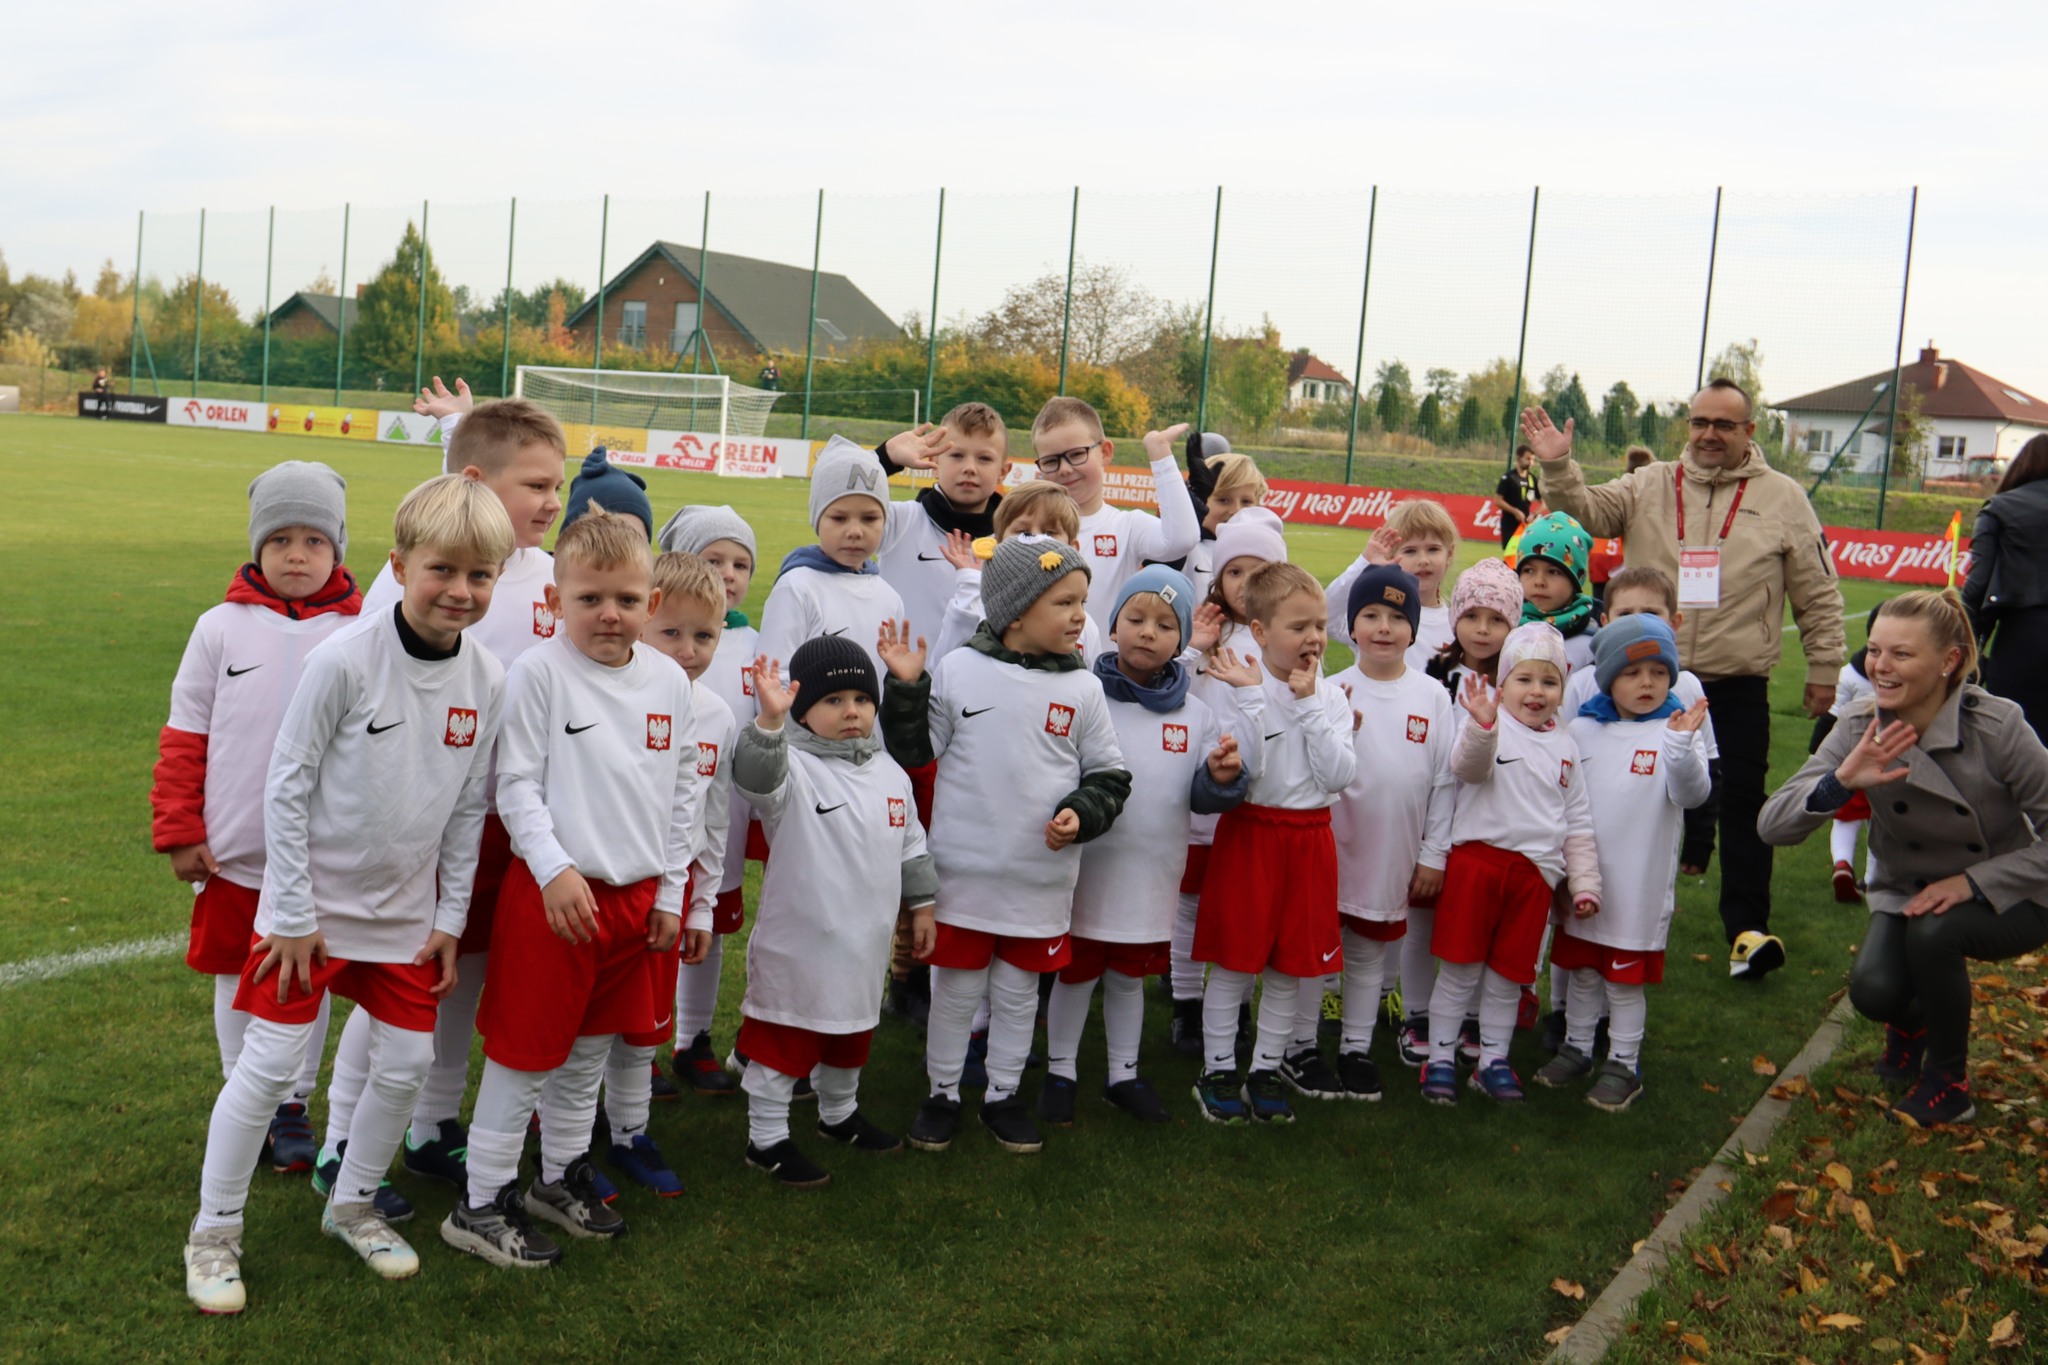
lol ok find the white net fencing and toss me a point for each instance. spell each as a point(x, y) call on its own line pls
point(634, 398)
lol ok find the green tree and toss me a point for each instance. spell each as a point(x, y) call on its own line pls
point(1743, 362)
point(1393, 395)
point(1571, 404)
point(1429, 417)
point(1471, 422)
point(223, 335)
point(1555, 381)
point(1649, 427)
point(1618, 412)
point(1249, 379)
point(387, 326)
point(1444, 384)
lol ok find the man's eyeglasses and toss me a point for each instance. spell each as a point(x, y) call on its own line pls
point(1722, 425)
point(1075, 458)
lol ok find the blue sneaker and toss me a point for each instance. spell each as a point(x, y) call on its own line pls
point(293, 1148)
point(1497, 1081)
point(642, 1161)
point(1218, 1094)
point(603, 1188)
point(390, 1205)
point(1440, 1083)
point(1265, 1099)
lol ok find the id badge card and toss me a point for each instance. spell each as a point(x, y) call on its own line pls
point(1699, 578)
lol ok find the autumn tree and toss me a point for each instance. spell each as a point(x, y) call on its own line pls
point(1110, 317)
point(387, 328)
point(223, 335)
point(1249, 379)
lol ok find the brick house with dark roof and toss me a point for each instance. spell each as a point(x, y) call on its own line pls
point(1975, 423)
point(312, 315)
point(754, 306)
point(1311, 381)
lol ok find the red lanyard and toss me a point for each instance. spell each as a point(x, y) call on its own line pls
point(1741, 487)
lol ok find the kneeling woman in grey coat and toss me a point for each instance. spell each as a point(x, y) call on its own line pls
point(1958, 786)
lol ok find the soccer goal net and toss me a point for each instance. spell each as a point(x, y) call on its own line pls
point(639, 400)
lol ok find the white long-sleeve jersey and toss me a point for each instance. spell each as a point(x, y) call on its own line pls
point(1582, 685)
point(1396, 814)
point(597, 771)
point(1524, 790)
point(1234, 708)
point(731, 678)
point(711, 816)
point(1304, 757)
point(806, 603)
point(1012, 743)
point(1640, 777)
point(963, 616)
point(1116, 541)
point(375, 794)
point(911, 561)
point(1129, 885)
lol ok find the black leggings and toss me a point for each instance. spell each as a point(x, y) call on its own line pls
point(1912, 972)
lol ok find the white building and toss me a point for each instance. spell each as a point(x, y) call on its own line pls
point(1976, 423)
point(1311, 381)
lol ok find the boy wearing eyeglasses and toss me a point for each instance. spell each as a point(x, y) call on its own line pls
point(1116, 542)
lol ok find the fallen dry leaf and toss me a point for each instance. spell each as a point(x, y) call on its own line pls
point(1839, 1176)
point(1568, 1288)
point(1860, 1211)
point(2005, 1332)
point(1696, 1342)
point(1556, 1335)
point(1762, 1065)
point(1841, 1322)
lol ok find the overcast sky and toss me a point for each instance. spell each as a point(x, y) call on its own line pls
point(107, 109)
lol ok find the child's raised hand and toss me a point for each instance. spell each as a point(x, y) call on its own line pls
point(1208, 628)
point(919, 447)
point(1225, 666)
point(906, 663)
point(1062, 829)
point(1383, 546)
point(1302, 681)
point(770, 695)
point(193, 862)
point(958, 548)
point(570, 907)
point(1225, 762)
point(1159, 444)
point(437, 402)
point(1690, 719)
point(1479, 702)
point(1542, 435)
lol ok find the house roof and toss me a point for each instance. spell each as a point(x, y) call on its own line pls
point(1947, 388)
point(769, 301)
point(329, 308)
point(1301, 365)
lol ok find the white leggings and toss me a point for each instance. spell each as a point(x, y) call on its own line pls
point(1627, 1009)
point(1123, 1020)
point(697, 994)
point(1418, 966)
point(1012, 996)
point(628, 1091)
point(441, 1096)
point(1186, 972)
point(1365, 967)
point(1226, 993)
point(505, 1101)
point(769, 1092)
point(230, 1025)
point(1457, 983)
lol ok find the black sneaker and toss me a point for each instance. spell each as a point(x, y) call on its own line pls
point(660, 1087)
point(1056, 1101)
point(500, 1232)
point(1187, 1028)
point(293, 1148)
point(856, 1132)
point(936, 1125)
point(1137, 1098)
point(1939, 1098)
point(442, 1157)
point(790, 1167)
point(1553, 1032)
point(391, 1206)
point(697, 1067)
point(1899, 1067)
point(1265, 1098)
point(1310, 1075)
point(1360, 1077)
point(1010, 1126)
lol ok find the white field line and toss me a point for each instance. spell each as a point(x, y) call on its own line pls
point(57, 965)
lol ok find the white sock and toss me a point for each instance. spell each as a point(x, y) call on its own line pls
point(271, 1056)
point(1842, 836)
point(1628, 1010)
point(229, 1023)
point(1365, 966)
point(1222, 999)
point(1560, 987)
point(1584, 1002)
point(697, 994)
point(1187, 973)
point(1457, 988)
point(351, 1073)
point(838, 1090)
point(1499, 1001)
point(454, 1027)
point(1278, 993)
point(1308, 1015)
point(1418, 967)
point(768, 1093)
point(399, 1058)
point(628, 1090)
point(505, 1101)
point(956, 994)
point(568, 1104)
point(1123, 1022)
point(1012, 1013)
point(316, 1053)
point(1066, 1019)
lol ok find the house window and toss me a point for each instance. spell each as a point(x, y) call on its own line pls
point(633, 326)
point(831, 333)
point(1856, 444)
point(1820, 442)
point(686, 323)
point(1950, 447)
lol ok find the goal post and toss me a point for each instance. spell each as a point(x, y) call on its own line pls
point(608, 404)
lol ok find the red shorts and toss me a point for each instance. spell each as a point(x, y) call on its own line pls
point(666, 967)
point(1196, 871)
point(492, 859)
point(799, 1051)
point(757, 842)
point(542, 993)
point(1493, 909)
point(1624, 967)
point(1856, 808)
point(729, 912)
point(1378, 930)
point(223, 922)
point(1092, 957)
point(395, 993)
point(1270, 896)
point(970, 950)
point(922, 780)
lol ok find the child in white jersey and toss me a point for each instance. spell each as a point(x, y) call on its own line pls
point(1269, 901)
point(1522, 825)
point(968, 453)
point(1023, 732)
point(722, 539)
point(1033, 508)
point(1233, 484)
point(1181, 762)
point(364, 895)
point(1643, 766)
point(848, 849)
point(686, 627)
point(1115, 541)
point(1551, 562)
point(1420, 536)
point(598, 786)
point(207, 801)
point(834, 587)
point(1392, 824)
point(516, 450)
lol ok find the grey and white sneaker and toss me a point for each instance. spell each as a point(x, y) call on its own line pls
point(500, 1232)
point(213, 1270)
point(1568, 1066)
point(574, 1203)
point(366, 1232)
point(1618, 1087)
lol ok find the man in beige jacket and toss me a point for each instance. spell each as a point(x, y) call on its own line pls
point(1740, 540)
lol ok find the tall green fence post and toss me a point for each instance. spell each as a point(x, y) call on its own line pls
point(511, 240)
point(1372, 218)
point(931, 348)
point(341, 310)
point(1522, 345)
point(1067, 308)
point(419, 327)
point(198, 302)
point(1209, 316)
point(701, 337)
point(1891, 425)
point(135, 325)
point(811, 331)
point(269, 262)
point(604, 231)
point(1699, 378)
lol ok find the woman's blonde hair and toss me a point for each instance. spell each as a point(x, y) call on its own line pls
point(1947, 625)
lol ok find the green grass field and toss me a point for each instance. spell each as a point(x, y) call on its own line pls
point(1383, 1231)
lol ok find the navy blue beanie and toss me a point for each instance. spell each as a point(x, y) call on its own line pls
point(1387, 585)
point(616, 491)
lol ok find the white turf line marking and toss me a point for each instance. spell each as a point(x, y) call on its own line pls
point(57, 965)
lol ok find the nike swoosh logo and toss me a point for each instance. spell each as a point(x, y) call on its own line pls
point(1332, 953)
point(966, 714)
point(827, 810)
point(1498, 759)
point(234, 672)
point(578, 729)
point(376, 729)
point(840, 631)
point(1621, 965)
point(1275, 735)
point(929, 559)
point(1053, 951)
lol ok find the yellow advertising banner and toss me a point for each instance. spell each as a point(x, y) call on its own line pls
point(294, 420)
point(584, 438)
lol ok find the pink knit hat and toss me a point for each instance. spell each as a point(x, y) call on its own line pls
point(1255, 533)
point(1536, 642)
point(1490, 583)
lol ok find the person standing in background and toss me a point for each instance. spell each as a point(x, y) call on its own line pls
point(2006, 593)
point(1518, 491)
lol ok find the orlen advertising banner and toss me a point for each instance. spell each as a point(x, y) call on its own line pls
point(292, 419)
point(229, 414)
point(746, 457)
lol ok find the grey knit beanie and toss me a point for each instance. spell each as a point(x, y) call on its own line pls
point(1023, 569)
point(844, 469)
point(298, 493)
point(693, 528)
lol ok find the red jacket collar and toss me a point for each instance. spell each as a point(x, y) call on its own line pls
point(339, 594)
